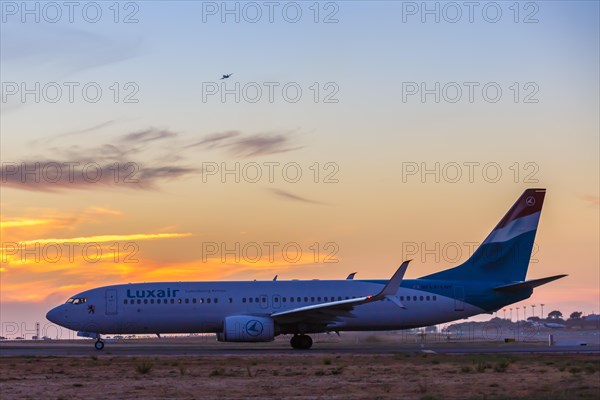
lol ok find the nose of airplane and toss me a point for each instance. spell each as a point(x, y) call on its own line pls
point(54, 315)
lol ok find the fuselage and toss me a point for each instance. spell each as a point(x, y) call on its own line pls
point(197, 307)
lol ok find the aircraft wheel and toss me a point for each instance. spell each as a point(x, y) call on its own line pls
point(301, 342)
point(99, 345)
point(295, 342)
point(305, 342)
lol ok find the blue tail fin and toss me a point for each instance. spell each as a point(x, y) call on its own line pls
point(504, 255)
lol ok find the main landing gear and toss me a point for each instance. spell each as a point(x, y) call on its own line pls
point(301, 342)
point(99, 345)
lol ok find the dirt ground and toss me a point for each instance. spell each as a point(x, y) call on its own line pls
point(303, 376)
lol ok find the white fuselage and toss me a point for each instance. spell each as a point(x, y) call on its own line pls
point(196, 307)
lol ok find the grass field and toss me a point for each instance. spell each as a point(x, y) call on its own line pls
point(303, 376)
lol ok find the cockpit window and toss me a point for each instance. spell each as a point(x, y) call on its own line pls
point(76, 300)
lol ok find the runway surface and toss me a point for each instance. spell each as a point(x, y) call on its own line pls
point(156, 348)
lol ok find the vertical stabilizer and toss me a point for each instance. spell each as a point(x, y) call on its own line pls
point(504, 255)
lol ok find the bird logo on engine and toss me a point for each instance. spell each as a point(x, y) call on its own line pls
point(254, 327)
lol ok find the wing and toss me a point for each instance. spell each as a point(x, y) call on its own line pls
point(332, 311)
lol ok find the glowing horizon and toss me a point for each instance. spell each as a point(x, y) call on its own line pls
point(173, 173)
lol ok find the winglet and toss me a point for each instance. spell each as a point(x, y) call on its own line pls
point(391, 288)
point(351, 276)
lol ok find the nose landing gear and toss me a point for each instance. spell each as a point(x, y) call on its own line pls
point(301, 342)
point(99, 345)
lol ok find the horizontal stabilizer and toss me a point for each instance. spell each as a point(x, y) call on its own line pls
point(513, 287)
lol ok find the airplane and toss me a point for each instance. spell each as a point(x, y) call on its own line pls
point(553, 325)
point(257, 311)
point(226, 76)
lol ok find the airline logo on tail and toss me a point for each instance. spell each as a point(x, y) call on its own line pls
point(523, 217)
point(504, 255)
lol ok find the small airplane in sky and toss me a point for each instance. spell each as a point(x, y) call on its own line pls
point(226, 76)
point(257, 311)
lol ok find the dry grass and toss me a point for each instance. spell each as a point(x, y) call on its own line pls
point(303, 376)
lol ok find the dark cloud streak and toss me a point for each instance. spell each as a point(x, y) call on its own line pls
point(290, 196)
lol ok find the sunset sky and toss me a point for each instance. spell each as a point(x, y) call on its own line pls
point(127, 184)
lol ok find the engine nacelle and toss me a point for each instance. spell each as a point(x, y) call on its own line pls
point(247, 328)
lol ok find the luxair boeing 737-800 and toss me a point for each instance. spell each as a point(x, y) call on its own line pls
point(257, 311)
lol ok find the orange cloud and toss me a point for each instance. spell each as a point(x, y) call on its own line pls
point(592, 199)
point(36, 281)
point(20, 223)
point(108, 238)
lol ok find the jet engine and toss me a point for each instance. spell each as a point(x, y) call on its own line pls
point(247, 328)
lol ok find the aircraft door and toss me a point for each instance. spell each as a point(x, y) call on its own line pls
point(264, 301)
point(111, 301)
point(459, 298)
point(276, 301)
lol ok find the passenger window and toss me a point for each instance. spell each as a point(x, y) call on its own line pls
point(216, 300)
point(312, 299)
point(434, 298)
point(187, 301)
point(256, 299)
point(421, 298)
point(172, 301)
point(407, 298)
point(401, 298)
point(306, 299)
point(208, 301)
point(283, 299)
point(125, 301)
point(194, 300)
point(139, 301)
point(230, 300)
point(427, 298)
point(151, 301)
point(200, 300)
point(339, 298)
point(414, 298)
point(299, 299)
point(244, 300)
point(178, 301)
